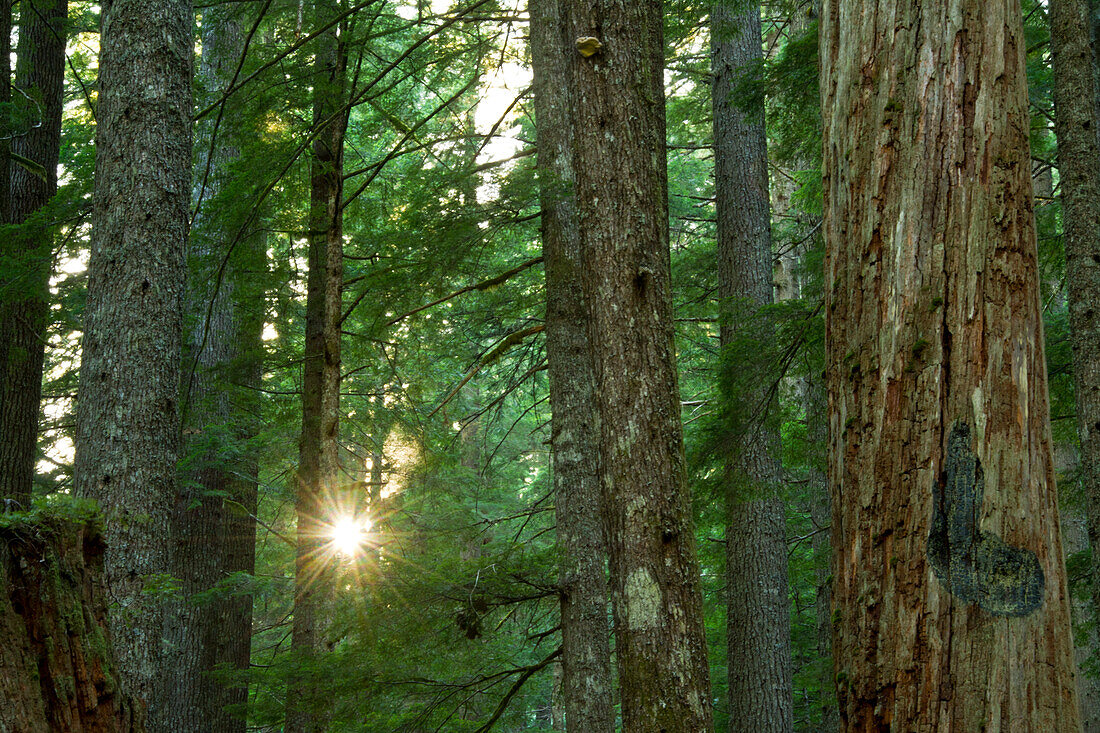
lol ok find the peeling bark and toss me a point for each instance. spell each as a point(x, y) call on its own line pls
point(935, 367)
point(57, 667)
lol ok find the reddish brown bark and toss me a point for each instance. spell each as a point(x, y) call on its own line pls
point(951, 610)
point(57, 669)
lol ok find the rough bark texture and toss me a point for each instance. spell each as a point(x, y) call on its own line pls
point(1075, 97)
point(758, 629)
point(318, 458)
point(951, 608)
point(57, 669)
point(817, 431)
point(27, 254)
point(622, 211)
point(213, 533)
point(127, 423)
point(1076, 539)
point(586, 654)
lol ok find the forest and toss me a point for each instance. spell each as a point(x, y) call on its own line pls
point(566, 365)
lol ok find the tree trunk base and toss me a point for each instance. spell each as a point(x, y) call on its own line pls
point(57, 667)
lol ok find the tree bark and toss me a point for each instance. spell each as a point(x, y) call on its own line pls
point(213, 532)
point(622, 212)
point(57, 669)
point(318, 459)
point(1075, 124)
point(586, 654)
point(127, 422)
point(758, 630)
point(951, 608)
point(28, 252)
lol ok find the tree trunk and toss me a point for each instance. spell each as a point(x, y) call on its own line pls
point(951, 608)
point(622, 211)
point(318, 458)
point(1075, 124)
point(57, 670)
point(127, 424)
point(213, 533)
point(758, 629)
point(586, 654)
point(817, 431)
point(28, 253)
point(1076, 539)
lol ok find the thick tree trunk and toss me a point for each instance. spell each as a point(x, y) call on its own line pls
point(758, 629)
point(622, 213)
point(318, 458)
point(1075, 124)
point(951, 608)
point(57, 669)
point(28, 254)
point(127, 423)
point(586, 654)
point(213, 533)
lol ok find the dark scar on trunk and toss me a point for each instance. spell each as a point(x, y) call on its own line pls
point(978, 567)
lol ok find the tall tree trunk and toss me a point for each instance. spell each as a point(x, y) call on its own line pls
point(817, 431)
point(758, 629)
point(622, 213)
point(586, 654)
point(1075, 124)
point(28, 253)
point(213, 533)
point(951, 608)
point(127, 422)
point(318, 457)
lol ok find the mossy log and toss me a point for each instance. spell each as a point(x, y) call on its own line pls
point(57, 669)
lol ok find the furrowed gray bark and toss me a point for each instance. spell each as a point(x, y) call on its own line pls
point(758, 610)
point(586, 655)
point(28, 254)
point(1076, 93)
point(213, 533)
point(127, 421)
point(622, 213)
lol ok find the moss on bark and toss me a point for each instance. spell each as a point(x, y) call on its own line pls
point(57, 667)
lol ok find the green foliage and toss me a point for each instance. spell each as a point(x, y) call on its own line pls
point(455, 596)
